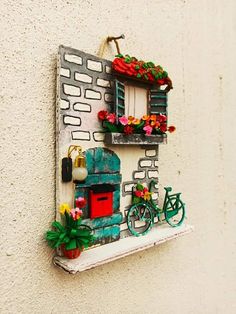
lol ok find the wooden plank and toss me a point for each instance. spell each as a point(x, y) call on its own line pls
point(124, 247)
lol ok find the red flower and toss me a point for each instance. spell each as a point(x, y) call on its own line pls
point(80, 202)
point(161, 118)
point(145, 190)
point(128, 130)
point(102, 115)
point(163, 127)
point(161, 82)
point(138, 193)
point(171, 128)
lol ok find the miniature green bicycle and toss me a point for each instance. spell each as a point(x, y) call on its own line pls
point(140, 217)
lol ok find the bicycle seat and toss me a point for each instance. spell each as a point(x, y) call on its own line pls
point(168, 189)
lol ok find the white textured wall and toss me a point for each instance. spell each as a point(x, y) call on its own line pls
point(196, 42)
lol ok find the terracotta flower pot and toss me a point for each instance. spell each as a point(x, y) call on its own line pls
point(70, 253)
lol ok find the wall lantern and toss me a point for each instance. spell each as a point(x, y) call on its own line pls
point(79, 171)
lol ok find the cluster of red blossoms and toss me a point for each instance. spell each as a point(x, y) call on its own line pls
point(142, 70)
point(148, 124)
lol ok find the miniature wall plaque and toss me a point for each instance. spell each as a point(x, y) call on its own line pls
point(111, 118)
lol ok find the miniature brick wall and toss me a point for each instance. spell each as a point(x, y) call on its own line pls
point(85, 86)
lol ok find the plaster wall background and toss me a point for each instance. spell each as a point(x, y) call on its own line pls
point(195, 41)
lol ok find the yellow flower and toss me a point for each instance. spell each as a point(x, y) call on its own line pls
point(136, 121)
point(147, 196)
point(145, 117)
point(64, 208)
point(130, 119)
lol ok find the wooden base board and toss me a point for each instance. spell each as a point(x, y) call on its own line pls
point(112, 251)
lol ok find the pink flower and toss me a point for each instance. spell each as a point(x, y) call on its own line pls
point(123, 120)
point(76, 213)
point(111, 117)
point(148, 130)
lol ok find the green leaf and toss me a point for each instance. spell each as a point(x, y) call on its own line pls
point(137, 67)
point(139, 75)
point(127, 59)
point(71, 245)
point(119, 55)
point(109, 126)
point(136, 200)
point(164, 74)
point(145, 66)
point(150, 64)
point(146, 77)
point(139, 187)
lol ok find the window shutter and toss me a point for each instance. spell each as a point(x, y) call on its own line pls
point(119, 99)
point(158, 102)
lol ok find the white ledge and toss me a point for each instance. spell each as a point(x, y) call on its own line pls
point(115, 250)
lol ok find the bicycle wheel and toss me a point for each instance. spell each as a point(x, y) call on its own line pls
point(174, 212)
point(139, 219)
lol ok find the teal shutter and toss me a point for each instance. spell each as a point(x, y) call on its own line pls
point(158, 102)
point(119, 99)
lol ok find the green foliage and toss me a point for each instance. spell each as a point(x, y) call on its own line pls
point(136, 200)
point(139, 187)
point(110, 126)
point(73, 234)
point(119, 56)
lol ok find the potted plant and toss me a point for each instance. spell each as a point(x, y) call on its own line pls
point(71, 235)
point(150, 129)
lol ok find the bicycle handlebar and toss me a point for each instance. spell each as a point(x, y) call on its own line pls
point(168, 189)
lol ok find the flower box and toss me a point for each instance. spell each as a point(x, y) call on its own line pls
point(134, 139)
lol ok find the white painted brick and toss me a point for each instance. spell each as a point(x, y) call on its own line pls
point(123, 226)
point(71, 90)
point(94, 65)
point(108, 97)
point(98, 136)
point(156, 163)
point(139, 175)
point(145, 163)
point(82, 107)
point(64, 104)
point(108, 69)
point(151, 153)
point(73, 58)
point(92, 94)
point(152, 174)
point(65, 72)
point(103, 83)
point(83, 77)
point(154, 196)
point(81, 135)
point(128, 187)
point(72, 120)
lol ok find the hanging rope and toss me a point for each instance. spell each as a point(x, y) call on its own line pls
point(106, 41)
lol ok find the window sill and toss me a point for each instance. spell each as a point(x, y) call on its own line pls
point(124, 247)
point(134, 139)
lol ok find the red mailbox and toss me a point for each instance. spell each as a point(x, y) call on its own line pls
point(101, 200)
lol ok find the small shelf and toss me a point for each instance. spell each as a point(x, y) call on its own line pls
point(124, 247)
point(134, 139)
